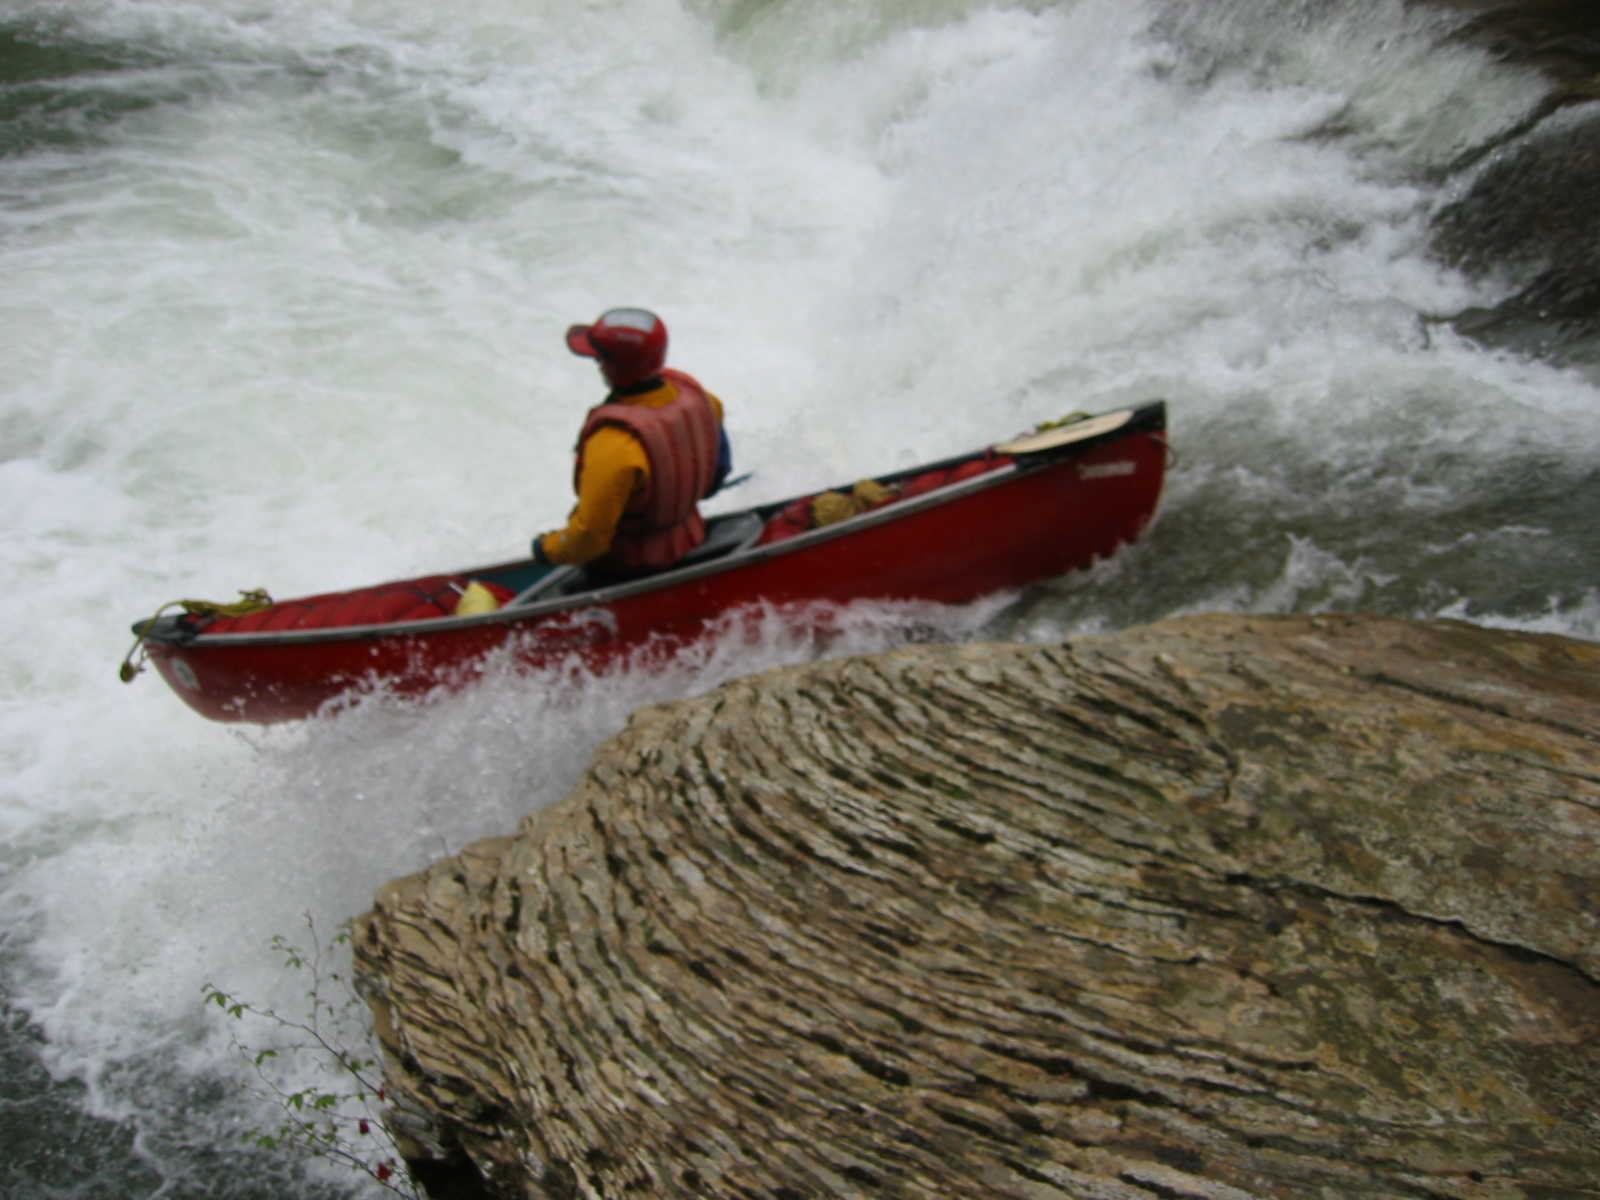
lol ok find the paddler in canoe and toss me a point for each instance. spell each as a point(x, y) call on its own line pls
point(646, 456)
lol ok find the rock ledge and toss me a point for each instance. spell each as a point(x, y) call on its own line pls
point(1220, 907)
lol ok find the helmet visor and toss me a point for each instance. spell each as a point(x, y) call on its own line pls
point(578, 341)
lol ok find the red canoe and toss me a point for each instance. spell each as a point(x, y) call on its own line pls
point(947, 532)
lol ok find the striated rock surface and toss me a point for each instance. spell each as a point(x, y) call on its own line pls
point(1220, 907)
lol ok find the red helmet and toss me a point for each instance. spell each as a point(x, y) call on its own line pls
point(630, 343)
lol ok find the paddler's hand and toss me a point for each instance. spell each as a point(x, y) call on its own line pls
point(539, 556)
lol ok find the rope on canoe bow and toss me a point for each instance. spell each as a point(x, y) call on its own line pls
point(248, 602)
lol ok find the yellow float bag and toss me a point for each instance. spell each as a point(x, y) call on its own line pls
point(475, 598)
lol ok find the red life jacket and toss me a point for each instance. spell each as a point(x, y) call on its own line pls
point(662, 523)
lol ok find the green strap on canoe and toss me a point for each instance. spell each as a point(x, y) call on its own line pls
point(249, 601)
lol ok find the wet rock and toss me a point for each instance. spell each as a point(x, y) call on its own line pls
point(1529, 216)
point(1532, 218)
point(1559, 37)
point(1219, 907)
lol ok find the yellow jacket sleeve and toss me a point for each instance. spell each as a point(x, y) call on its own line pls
point(614, 465)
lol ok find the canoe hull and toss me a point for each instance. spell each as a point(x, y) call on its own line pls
point(1041, 518)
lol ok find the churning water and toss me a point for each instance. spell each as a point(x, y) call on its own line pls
point(282, 289)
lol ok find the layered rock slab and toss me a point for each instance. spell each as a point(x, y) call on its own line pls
point(1219, 907)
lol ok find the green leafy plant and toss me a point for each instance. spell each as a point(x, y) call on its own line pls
point(338, 1123)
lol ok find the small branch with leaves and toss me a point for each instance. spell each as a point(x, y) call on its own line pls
point(338, 1123)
